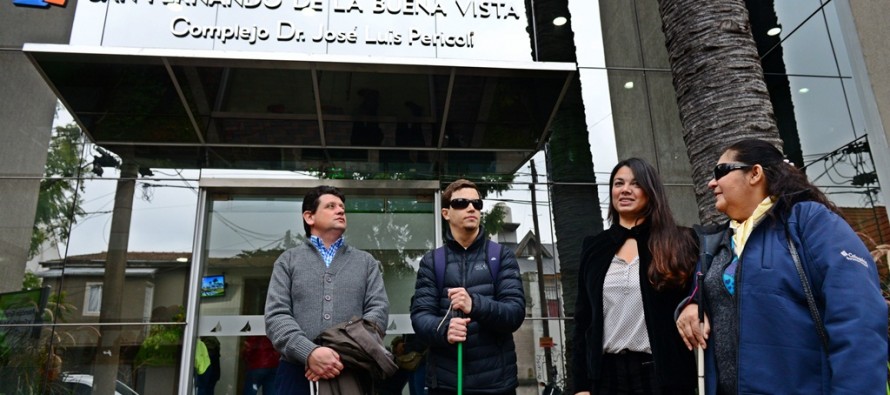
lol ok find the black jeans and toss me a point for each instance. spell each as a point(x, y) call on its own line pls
point(631, 373)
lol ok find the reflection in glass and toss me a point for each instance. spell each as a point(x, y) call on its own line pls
point(246, 233)
point(27, 357)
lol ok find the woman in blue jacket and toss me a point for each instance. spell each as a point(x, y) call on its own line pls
point(758, 332)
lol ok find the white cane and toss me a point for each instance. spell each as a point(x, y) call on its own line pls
point(700, 363)
point(313, 388)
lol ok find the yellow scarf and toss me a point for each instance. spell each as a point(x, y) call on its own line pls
point(743, 229)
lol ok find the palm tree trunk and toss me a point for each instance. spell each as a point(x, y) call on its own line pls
point(721, 93)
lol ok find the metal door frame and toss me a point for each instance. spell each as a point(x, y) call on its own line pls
point(208, 186)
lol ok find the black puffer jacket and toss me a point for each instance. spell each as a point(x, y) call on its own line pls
point(489, 353)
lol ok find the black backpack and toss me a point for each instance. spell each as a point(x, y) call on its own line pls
point(493, 257)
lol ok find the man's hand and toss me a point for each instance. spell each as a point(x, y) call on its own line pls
point(460, 300)
point(323, 364)
point(691, 330)
point(457, 330)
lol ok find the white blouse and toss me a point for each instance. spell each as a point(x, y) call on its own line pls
point(624, 323)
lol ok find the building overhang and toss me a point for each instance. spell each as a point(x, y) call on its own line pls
point(338, 115)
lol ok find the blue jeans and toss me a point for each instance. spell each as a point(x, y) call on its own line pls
point(256, 378)
point(205, 383)
point(417, 382)
point(290, 379)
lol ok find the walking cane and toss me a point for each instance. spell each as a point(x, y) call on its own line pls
point(700, 362)
point(460, 368)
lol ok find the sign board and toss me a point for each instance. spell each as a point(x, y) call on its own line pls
point(453, 29)
point(23, 307)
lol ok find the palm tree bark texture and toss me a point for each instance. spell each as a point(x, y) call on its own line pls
point(718, 79)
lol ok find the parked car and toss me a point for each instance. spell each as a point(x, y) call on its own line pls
point(82, 384)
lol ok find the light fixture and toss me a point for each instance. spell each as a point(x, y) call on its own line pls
point(629, 85)
point(182, 259)
point(560, 20)
point(804, 90)
point(774, 31)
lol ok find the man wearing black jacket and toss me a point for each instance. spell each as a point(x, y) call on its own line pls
point(476, 306)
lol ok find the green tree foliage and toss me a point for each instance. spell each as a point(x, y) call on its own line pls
point(163, 345)
point(493, 220)
point(30, 281)
point(59, 202)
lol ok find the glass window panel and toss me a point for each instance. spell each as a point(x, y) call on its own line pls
point(275, 91)
point(808, 50)
point(837, 40)
point(301, 132)
point(123, 102)
point(167, 157)
point(265, 158)
point(822, 119)
point(148, 355)
point(374, 97)
point(92, 304)
point(25, 351)
point(791, 13)
point(846, 174)
point(247, 233)
point(857, 113)
point(200, 86)
point(157, 259)
point(501, 112)
point(588, 33)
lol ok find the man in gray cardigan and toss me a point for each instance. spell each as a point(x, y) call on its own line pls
point(315, 286)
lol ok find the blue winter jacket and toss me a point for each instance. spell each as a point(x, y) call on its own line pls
point(489, 354)
point(779, 349)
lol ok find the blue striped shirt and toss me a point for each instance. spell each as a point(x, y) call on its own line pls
point(326, 253)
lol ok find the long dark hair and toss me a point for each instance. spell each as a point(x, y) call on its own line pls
point(673, 251)
point(784, 181)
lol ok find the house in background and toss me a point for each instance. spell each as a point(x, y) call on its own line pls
point(532, 343)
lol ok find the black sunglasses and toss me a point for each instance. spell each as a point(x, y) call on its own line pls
point(724, 168)
point(461, 203)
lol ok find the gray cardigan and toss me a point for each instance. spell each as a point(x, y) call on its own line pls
point(305, 297)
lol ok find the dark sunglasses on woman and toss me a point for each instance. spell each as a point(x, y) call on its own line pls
point(723, 169)
point(461, 203)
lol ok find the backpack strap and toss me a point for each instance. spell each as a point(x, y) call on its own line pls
point(493, 255)
point(439, 263)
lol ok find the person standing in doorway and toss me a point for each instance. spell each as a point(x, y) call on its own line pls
point(474, 305)
point(207, 365)
point(261, 361)
point(317, 285)
point(632, 277)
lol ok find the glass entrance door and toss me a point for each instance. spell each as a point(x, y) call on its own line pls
point(248, 228)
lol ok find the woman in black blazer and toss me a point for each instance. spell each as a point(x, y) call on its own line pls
point(632, 277)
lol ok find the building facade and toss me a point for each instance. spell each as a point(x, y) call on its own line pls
point(223, 113)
